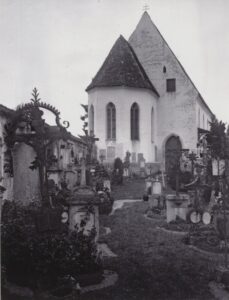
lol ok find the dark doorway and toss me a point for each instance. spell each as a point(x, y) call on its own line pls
point(172, 157)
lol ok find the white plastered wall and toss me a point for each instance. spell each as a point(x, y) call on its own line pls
point(176, 110)
point(123, 98)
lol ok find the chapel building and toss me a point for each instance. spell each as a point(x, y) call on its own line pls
point(141, 100)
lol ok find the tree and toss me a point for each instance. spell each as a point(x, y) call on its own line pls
point(89, 139)
point(84, 118)
point(217, 139)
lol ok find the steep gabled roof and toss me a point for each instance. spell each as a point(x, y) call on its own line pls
point(146, 19)
point(5, 111)
point(122, 68)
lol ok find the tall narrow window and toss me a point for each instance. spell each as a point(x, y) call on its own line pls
point(203, 122)
point(199, 118)
point(152, 125)
point(134, 122)
point(111, 122)
point(91, 119)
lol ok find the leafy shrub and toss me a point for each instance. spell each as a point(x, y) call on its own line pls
point(33, 258)
point(106, 204)
point(117, 177)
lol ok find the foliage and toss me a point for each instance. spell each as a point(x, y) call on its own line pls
point(217, 139)
point(84, 118)
point(36, 134)
point(118, 171)
point(32, 258)
point(100, 175)
point(88, 137)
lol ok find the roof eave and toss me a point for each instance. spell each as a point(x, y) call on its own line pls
point(89, 88)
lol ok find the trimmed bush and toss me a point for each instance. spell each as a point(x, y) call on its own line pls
point(117, 175)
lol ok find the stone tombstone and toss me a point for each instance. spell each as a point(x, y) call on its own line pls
point(126, 172)
point(133, 157)
point(26, 183)
point(110, 153)
point(176, 206)
point(142, 164)
point(71, 178)
point(148, 170)
point(156, 187)
point(140, 158)
point(80, 214)
point(78, 210)
point(107, 184)
point(155, 201)
point(102, 154)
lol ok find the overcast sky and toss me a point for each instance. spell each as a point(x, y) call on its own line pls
point(59, 45)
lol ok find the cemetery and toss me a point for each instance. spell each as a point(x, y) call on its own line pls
point(78, 228)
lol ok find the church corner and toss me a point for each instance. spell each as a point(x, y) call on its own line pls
point(142, 101)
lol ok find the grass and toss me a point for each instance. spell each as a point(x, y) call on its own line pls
point(130, 189)
point(151, 264)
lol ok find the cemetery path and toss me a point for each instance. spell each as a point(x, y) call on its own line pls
point(118, 204)
point(151, 264)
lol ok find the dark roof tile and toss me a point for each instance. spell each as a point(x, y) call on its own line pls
point(122, 68)
point(5, 111)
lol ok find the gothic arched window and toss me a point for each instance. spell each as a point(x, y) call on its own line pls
point(134, 122)
point(91, 119)
point(111, 122)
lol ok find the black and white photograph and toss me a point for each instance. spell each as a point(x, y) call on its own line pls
point(114, 149)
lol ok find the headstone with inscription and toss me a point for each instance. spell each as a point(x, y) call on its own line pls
point(84, 210)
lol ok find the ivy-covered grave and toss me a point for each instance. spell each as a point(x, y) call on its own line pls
point(48, 243)
point(207, 221)
point(38, 259)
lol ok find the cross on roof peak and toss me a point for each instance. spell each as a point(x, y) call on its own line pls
point(145, 7)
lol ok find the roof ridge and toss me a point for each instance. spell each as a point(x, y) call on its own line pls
point(122, 68)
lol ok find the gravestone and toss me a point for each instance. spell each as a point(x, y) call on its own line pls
point(176, 206)
point(140, 157)
point(102, 155)
point(26, 183)
point(133, 157)
point(110, 153)
point(84, 207)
